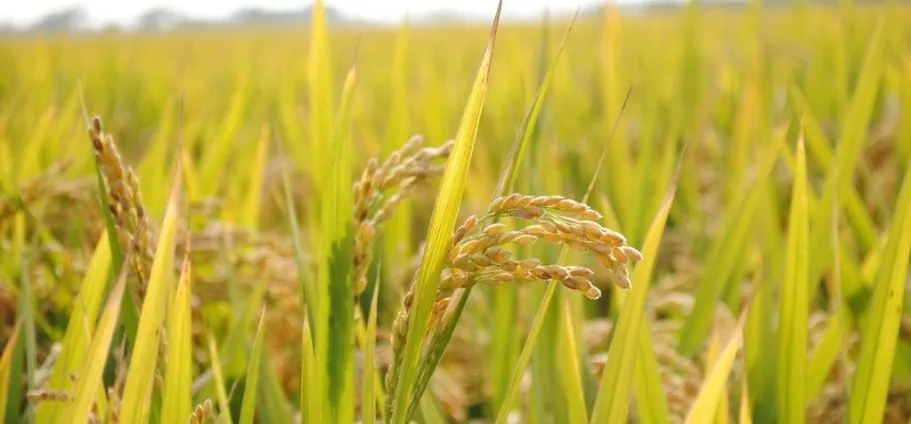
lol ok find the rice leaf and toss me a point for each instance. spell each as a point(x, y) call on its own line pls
point(335, 333)
point(218, 152)
point(792, 353)
point(368, 383)
point(89, 384)
point(311, 408)
point(397, 249)
point(319, 84)
point(176, 402)
point(27, 309)
point(144, 358)
point(219, 380)
point(853, 132)
point(79, 328)
point(248, 405)
point(569, 370)
point(721, 261)
point(253, 202)
point(705, 407)
point(825, 355)
point(880, 332)
point(439, 234)
point(273, 407)
point(6, 370)
point(612, 402)
point(651, 400)
point(505, 185)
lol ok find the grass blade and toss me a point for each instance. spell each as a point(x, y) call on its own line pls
point(335, 333)
point(880, 332)
point(442, 221)
point(218, 378)
point(248, 405)
point(705, 408)
point(176, 398)
point(795, 301)
point(6, 369)
point(90, 378)
point(721, 261)
point(311, 408)
point(145, 350)
point(253, 202)
point(612, 403)
point(569, 371)
point(319, 81)
point(650, 397)
point(368, 383)
point(79, 329)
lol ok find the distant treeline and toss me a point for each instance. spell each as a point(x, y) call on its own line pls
point(75, 19)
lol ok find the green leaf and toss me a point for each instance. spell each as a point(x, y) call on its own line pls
point(248, 405)
point(6, 364)
point(253, 203)
point(569, 370)
point(853, 132)
point(79, 328)
point(89, 384)
point(368, 384)
point(144, 358)
point(176, 398)
point(439, 234)
point(880, 333)
point(319, 84)
point(795, 301)
point(273, 407)
point(506, 184)
point(218, 378)
point(650, 398)
point(335, 333)
point(721, 262)
point(705, 408)
point(311, 395)
point(612, 402)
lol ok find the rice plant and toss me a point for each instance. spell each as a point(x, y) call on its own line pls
point(693, 214)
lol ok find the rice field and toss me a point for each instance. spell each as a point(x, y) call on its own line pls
point(692, 215)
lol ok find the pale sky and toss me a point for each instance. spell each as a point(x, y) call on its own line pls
point(24, 12)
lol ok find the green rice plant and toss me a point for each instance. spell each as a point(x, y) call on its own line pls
point(804, 242)
point(439, 237)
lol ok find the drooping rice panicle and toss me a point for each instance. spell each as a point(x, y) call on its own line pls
point(477, 255)
point(124, 201)
point(381, 188)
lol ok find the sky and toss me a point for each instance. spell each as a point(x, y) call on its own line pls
point(125, 12)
